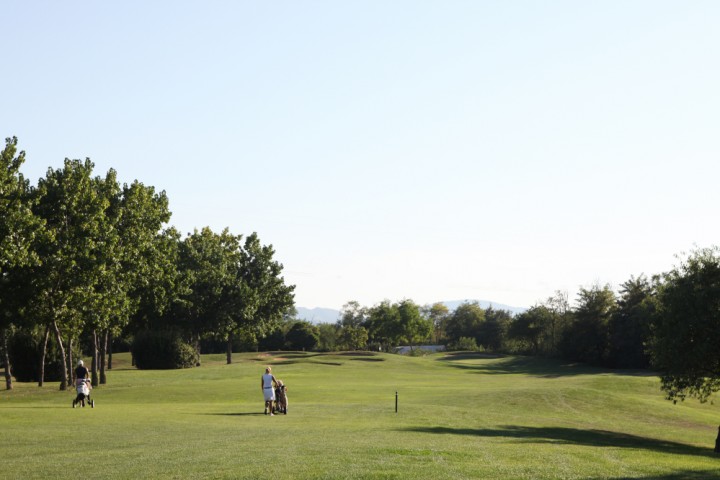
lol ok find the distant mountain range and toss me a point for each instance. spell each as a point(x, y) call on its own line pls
point(329, 315)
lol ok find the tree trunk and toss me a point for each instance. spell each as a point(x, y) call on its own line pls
point(61, 347)
point(717, 442)
point(41, 380)
point(94, 367)
point(71, 370)
point(6, 360)
point(196, 340)
point(229, 350)
point(109, 352)
point(103, 349)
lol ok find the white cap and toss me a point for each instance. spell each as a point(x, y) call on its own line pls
point(80, 363)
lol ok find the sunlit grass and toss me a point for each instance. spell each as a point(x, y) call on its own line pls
point(461, 416)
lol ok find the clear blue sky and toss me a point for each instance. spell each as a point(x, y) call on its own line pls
point(495, 150)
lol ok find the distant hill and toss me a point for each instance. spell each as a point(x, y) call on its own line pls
point(329, 315)
point(318, 315)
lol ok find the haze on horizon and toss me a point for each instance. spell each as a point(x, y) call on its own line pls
point(388, 150)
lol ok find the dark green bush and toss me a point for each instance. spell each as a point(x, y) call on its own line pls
point(162, 351)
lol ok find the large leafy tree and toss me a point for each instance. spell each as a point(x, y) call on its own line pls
point(19, 228)
point(211, 263)
point(493, 331)
point(132, 223)
point(383, 324)
point(302, 336)
point(64, 285)
point(265, 298)
point(465, 321)
point(437, 313)
point(629, 327)
point(586, 339)
point(414, 328)
point(530, 326)
point(686, 331)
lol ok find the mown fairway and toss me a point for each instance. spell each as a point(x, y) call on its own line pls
point(460, 416)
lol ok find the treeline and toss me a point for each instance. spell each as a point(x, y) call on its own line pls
point(84, 259)
point(601, 328)
point(670, 322)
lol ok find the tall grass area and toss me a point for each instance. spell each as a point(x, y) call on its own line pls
point(459, 416)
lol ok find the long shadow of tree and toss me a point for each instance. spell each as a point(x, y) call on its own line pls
point(575, 436)
point(535, 366)
point(678, 475)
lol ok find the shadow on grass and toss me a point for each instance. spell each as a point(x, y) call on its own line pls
point(535, 366)
point(367, 359)
point(575, 436)
point(679, 475)
point(236, 414)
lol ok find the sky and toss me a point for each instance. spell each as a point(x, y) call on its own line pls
point(423, 150)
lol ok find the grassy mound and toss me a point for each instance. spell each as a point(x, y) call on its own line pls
point(460, 416)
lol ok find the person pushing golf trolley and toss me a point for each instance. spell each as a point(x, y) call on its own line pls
point(82, 386)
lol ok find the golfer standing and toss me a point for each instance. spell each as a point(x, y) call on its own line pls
point(268, 382)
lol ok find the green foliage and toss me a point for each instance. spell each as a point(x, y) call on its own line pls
point(464, 321)
point(493, 331)
point(162, 350)
point(437, 314)
point(686, 331)
point(629, 327)
point(302, 336)
point(464, 344)
point(587, 338)
point(530, 326)
point(19, 227)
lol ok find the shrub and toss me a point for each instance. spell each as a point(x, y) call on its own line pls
point(162, 351)
point(464, 343)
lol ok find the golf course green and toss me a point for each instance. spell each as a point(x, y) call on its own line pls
point(459, 416)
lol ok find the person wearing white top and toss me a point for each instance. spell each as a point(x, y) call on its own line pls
point(267, 383)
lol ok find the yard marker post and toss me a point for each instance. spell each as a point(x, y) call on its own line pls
point(396, 400)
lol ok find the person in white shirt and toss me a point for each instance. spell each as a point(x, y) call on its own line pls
point(267, 383)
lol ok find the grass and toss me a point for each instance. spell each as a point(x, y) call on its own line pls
point(460, 416)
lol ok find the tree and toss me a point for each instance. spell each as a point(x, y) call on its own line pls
point(302, 336)
point(210, 262)
point(352, 338)
point(18, 230)
point(493, 331)
point(686, 331)
point(529, 326)
point(465, 321)
point(586, 339)
point(437, 313)
point(413, 327)
point(559, 306)
point(266, 298)
point(73, 208)
point(629, 327)
point(352, 314)
point(329, 337)
point(383, 324)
